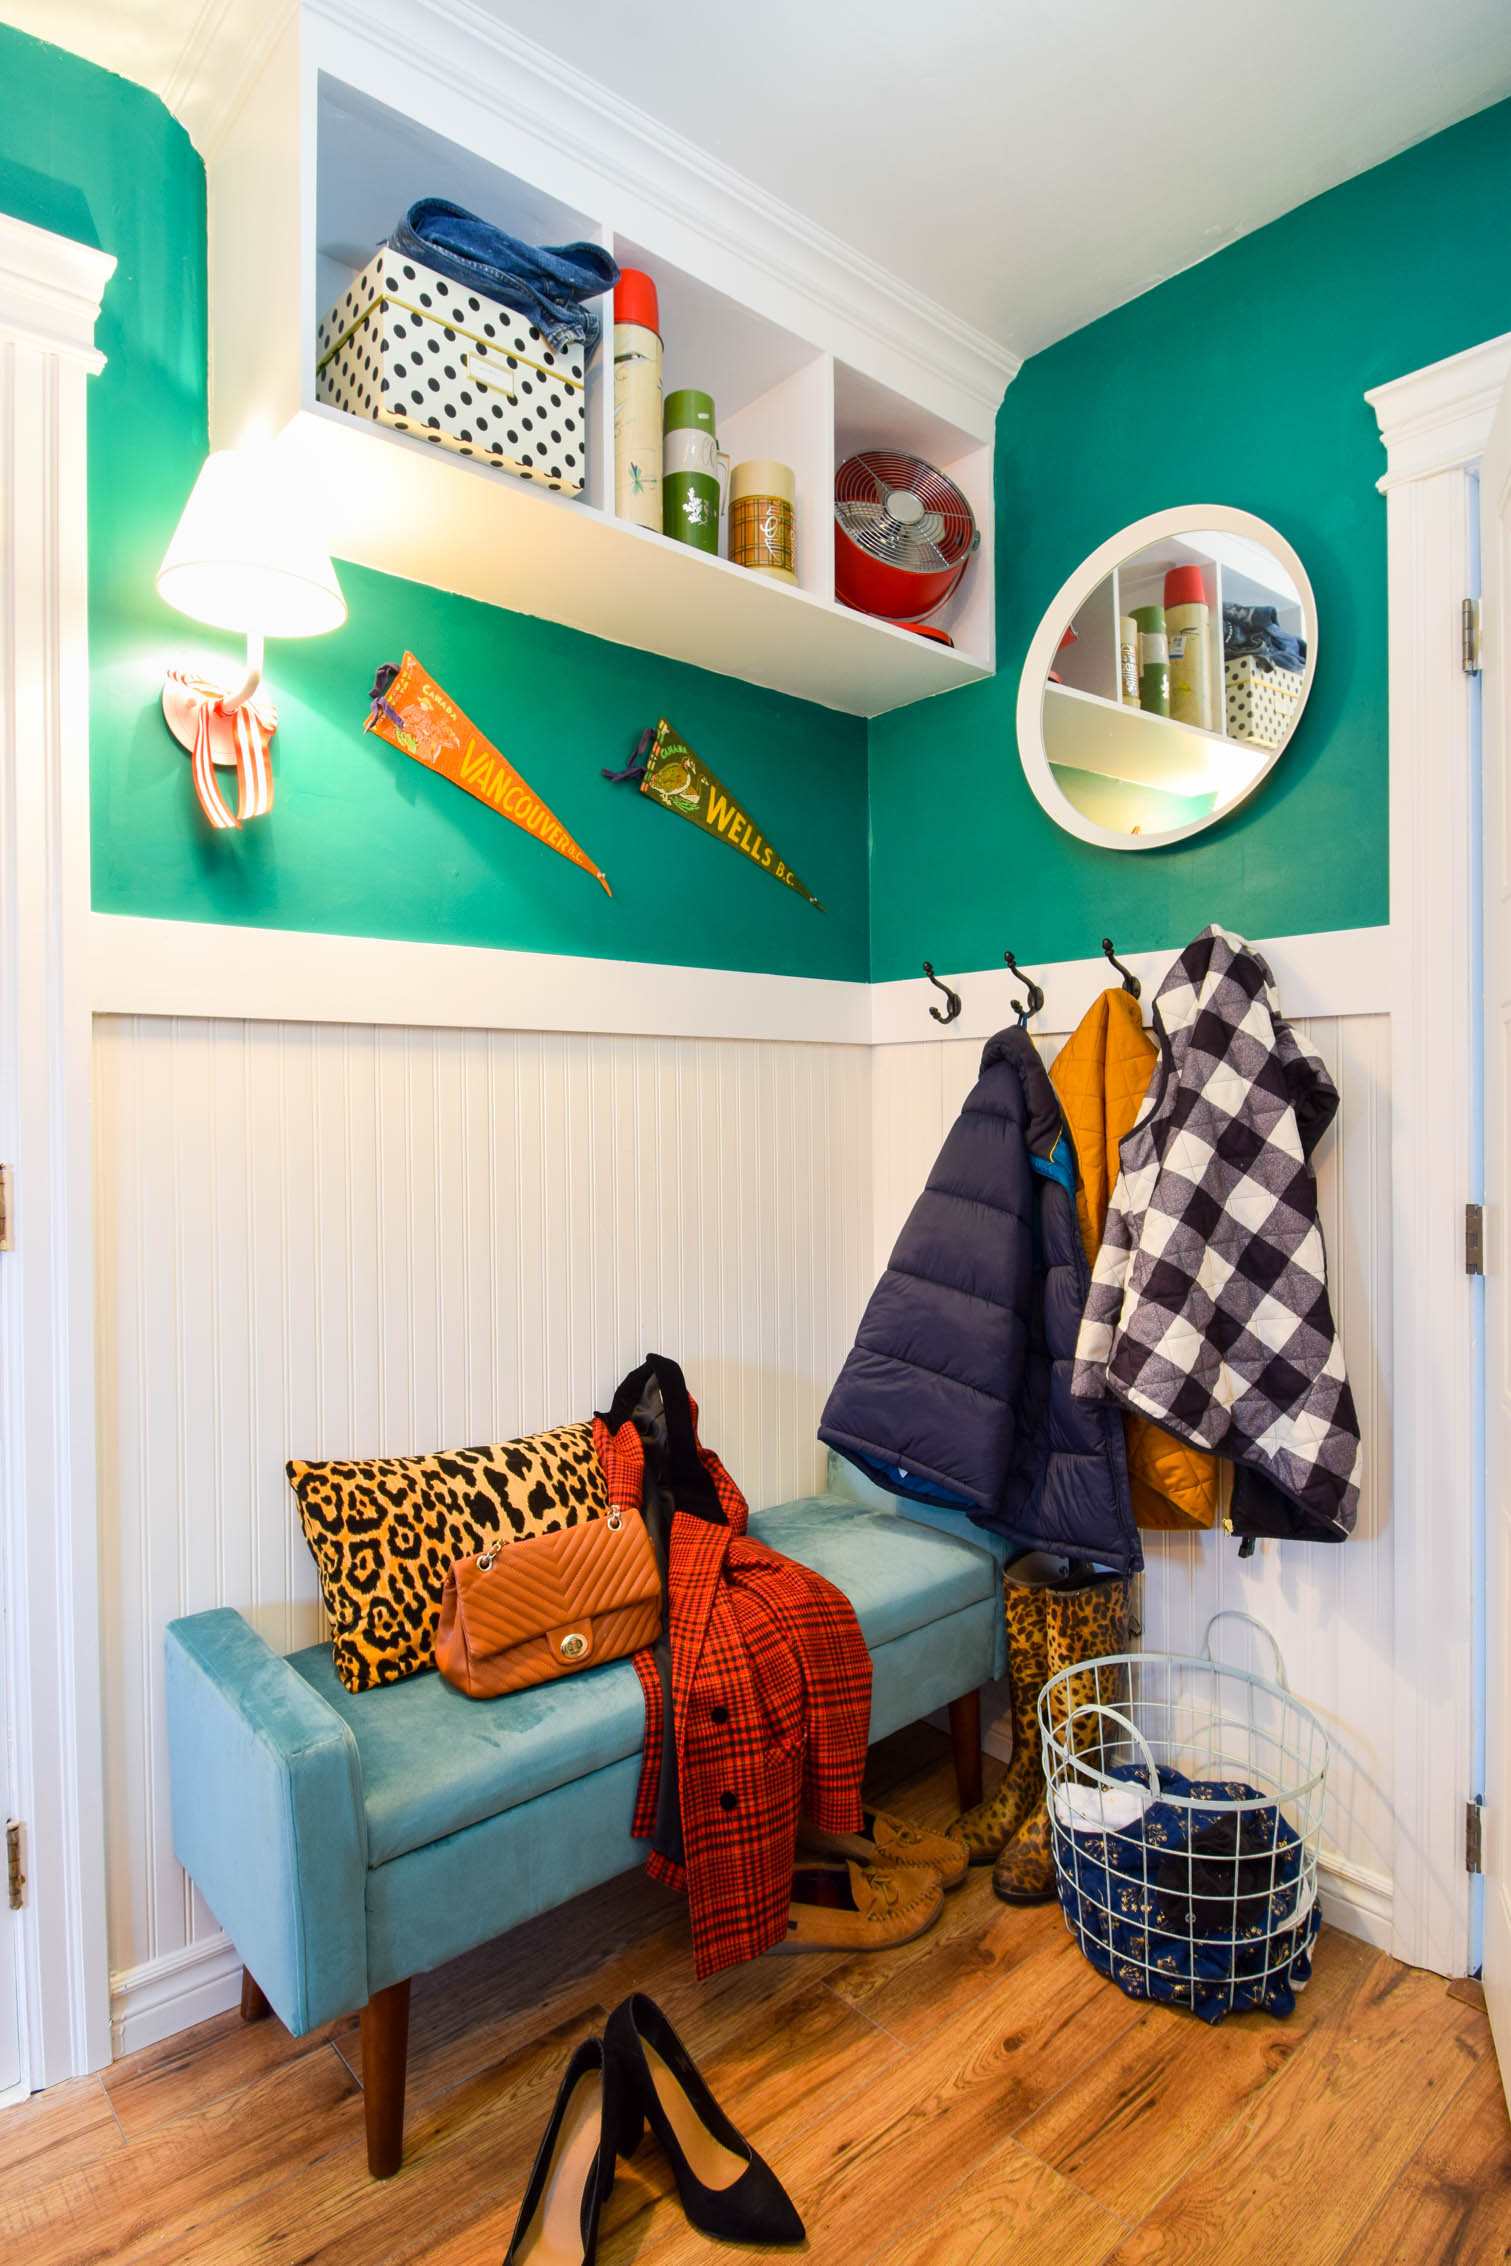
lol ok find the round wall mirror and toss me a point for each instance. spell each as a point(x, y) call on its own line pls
point(1167, 677)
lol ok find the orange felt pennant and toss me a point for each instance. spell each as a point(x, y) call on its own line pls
point(413, 714)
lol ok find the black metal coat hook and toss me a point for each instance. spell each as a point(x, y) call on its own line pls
point(1130, 982)
point(951, 1007)
point(1035, 993)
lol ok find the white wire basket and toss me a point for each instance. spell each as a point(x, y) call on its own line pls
point(1185, 1810)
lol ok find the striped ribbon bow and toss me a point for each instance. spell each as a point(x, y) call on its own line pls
point(252, 727)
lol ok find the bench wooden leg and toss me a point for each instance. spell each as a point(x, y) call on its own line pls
point(965, 1731)
point(254, 2006)
point(385, 2043)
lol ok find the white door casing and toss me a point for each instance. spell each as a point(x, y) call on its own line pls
point(1495, 552)
point(1434, 424)
point(50, 290)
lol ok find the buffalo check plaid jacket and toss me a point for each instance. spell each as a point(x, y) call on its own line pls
point(1209, 1308)
point(771, 1704)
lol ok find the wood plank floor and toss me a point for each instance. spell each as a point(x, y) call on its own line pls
point(977, 2098)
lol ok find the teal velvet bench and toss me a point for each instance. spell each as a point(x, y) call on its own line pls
point(347, 1842)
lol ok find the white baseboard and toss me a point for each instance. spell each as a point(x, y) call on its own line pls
point(162, 1996)
point(1357, 1900)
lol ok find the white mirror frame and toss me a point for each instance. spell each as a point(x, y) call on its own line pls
point(1185, 519)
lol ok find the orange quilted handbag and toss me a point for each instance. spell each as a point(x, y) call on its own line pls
point(526, 1612)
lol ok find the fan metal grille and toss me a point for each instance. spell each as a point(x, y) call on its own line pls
point(932, 540)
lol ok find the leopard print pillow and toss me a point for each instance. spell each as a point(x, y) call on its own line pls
point(386, 1533)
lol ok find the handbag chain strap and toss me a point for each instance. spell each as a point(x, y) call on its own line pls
point(489, 1558)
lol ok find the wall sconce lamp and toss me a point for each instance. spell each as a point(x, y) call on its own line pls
point(244, 557)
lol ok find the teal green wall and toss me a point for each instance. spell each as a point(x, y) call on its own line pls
point(360, 840)
point(365, 842)
point(1239, 382)
point(93, 157)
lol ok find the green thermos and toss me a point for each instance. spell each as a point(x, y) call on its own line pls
point(693, 473)
point(1153, 660)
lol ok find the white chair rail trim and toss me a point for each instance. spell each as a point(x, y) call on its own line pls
point(155, 967)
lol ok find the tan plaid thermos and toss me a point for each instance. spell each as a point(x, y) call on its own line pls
point(761, 530)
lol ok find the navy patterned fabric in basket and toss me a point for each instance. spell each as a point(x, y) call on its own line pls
point(1202, 1915)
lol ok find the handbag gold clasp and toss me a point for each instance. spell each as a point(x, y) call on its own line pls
point(573, 1646)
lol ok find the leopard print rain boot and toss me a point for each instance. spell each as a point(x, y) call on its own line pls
point(1083, 1621)
point(988, 1828)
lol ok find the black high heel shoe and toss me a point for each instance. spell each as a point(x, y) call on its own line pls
point(727, 2190)
point(595, 2120)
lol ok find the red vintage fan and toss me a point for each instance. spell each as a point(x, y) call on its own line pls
point(903, 536)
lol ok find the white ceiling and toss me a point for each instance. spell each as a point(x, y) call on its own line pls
point(1028, 163)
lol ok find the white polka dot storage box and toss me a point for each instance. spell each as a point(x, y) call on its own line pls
point(1262, 703)
point(413, 350)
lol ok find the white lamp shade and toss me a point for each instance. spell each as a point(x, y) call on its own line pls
point(245, 556)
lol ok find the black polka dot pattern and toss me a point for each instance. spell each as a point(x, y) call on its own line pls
point(413, 350)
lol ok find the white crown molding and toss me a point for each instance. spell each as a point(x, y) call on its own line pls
point(50, 291)
point(1439, 416)
point(459, 45)
point(227, 45)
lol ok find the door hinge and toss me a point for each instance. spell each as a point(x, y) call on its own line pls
point(15, 1879)
point(1474, 1239)
point(5, 1207)
point(1471, 628)
point(1474, 1835)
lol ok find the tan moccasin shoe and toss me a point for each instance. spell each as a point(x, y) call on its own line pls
point(851, 1907)
point(887, 1840)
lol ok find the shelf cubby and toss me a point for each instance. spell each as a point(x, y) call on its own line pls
point(771, 392)
point(868, 415)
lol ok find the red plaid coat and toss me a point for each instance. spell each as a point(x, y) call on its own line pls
point(771, 1704)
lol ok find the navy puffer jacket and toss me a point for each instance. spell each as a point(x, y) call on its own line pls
point(957, 1390)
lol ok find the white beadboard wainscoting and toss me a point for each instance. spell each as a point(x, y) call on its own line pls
point(356, 1238)
point(1330, 1609)
point(342, 1240)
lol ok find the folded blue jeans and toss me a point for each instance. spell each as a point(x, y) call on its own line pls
point(548, 283)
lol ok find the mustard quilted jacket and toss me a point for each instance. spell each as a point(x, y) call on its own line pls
point(1101, 1075)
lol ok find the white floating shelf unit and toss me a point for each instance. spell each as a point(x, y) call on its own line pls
point(809, 350)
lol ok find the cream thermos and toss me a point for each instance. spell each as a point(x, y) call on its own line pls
point(637, 400)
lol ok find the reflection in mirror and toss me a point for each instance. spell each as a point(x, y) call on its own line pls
point(1175, 680)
